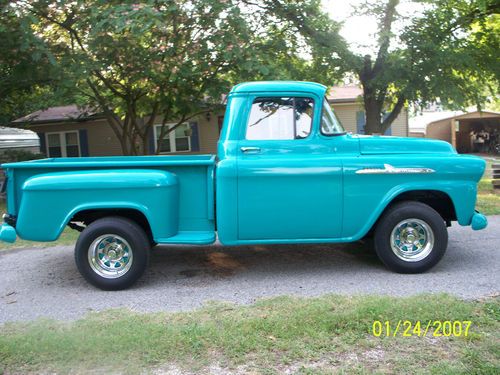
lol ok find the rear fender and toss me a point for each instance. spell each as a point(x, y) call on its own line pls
point(49, 201)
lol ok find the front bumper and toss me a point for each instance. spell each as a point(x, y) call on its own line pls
point(8, 233)
point(479, 221)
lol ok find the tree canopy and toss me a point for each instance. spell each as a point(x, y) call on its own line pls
point(447, 52)
point(140, 61)
point(137, 62)
point(27, 75)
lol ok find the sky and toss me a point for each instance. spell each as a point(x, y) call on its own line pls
point(357, 29)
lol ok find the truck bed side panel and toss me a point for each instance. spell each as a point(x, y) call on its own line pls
point(86, 187)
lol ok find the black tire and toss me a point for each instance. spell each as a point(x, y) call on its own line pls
point(129, 231)
point(398, 214)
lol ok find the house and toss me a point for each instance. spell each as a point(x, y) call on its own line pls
point(459, 128)
point(69, 131)
point(19, 140)
point(72, 131)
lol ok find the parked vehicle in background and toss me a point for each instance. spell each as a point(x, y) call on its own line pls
point(285, 172)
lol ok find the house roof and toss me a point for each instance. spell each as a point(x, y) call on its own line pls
point(344, 94)
point(420, 123)
point(58, 114)
point(471, 115)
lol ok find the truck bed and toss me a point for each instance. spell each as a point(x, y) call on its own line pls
point(193, 174)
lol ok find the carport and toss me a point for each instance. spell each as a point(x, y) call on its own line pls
point(470, 132)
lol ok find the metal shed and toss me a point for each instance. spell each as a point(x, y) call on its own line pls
point(18, 139)
point(462, 130)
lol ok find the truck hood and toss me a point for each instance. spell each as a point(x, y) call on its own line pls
point(399, 145)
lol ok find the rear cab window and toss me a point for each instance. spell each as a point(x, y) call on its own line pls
point(280, 118)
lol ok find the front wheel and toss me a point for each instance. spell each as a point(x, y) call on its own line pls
point(411, 237)
point(112, 253)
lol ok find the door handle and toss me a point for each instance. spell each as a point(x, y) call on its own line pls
point(246, 150)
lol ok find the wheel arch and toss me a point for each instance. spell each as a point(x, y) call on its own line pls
point(89, 214)
point(439, 200)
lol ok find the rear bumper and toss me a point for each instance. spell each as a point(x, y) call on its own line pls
point(8, 233)
point(479, 221)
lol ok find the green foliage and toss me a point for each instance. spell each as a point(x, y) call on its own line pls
point(453, 49)
point(28, 76)
point(447, 53)
point(11, 156)
point(144, 62)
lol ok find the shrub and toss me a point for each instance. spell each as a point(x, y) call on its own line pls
point(10, 156)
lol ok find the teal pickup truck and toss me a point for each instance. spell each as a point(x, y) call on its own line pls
point(285, 172)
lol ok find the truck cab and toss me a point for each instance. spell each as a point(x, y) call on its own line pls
point(285, 172)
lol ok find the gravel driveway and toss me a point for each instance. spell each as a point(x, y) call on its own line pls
point(45, 283)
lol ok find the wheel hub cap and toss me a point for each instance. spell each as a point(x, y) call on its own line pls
point(412, 240)
point(110, 256)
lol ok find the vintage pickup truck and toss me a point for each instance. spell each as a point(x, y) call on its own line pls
point(285, 172)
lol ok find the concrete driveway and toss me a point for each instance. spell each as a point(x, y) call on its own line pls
point(45, 282)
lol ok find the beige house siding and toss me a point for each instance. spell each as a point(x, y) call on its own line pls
point(209, 133)
point(101, 138)
point(102, 141)
point(347, 114)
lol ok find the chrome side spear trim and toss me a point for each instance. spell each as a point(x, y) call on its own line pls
point(389, 169)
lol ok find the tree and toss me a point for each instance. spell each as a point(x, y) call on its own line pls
point(27, 77)
point(447, 53)
point(138, 62)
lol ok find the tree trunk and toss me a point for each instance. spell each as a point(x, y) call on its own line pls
point(373, 123)
point(373, 111)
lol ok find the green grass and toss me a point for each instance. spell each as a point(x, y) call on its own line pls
point(68, 237)
point(488, 201)
point(331, 333)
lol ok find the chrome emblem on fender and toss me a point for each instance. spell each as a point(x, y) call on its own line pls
point(389, 169)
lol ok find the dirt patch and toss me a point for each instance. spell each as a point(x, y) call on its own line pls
point(222, 264)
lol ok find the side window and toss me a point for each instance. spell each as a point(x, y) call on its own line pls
point(280, 118)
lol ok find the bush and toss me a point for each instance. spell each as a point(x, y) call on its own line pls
point(11, 156)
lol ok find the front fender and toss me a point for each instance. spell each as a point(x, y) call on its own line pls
point(366, 196)
point(461, 194)
point(49, 201)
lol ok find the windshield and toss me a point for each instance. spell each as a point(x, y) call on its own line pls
point(330, 124)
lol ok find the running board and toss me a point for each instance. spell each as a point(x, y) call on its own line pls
point(189, 237)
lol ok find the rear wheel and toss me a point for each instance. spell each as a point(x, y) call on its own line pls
point(411, 237)
point(112, 253)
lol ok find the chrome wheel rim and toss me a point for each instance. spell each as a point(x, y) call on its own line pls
point(412, 240)
point(110, 256)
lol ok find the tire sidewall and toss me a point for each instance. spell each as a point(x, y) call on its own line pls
point(124, 228)
point(398, 213)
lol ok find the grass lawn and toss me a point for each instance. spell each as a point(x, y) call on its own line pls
point(286, 334)
point(488, 201)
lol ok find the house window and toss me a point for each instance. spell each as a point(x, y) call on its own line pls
point(178, 140)
point(63, 144)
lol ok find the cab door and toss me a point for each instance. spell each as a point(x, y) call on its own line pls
point(289, 177)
